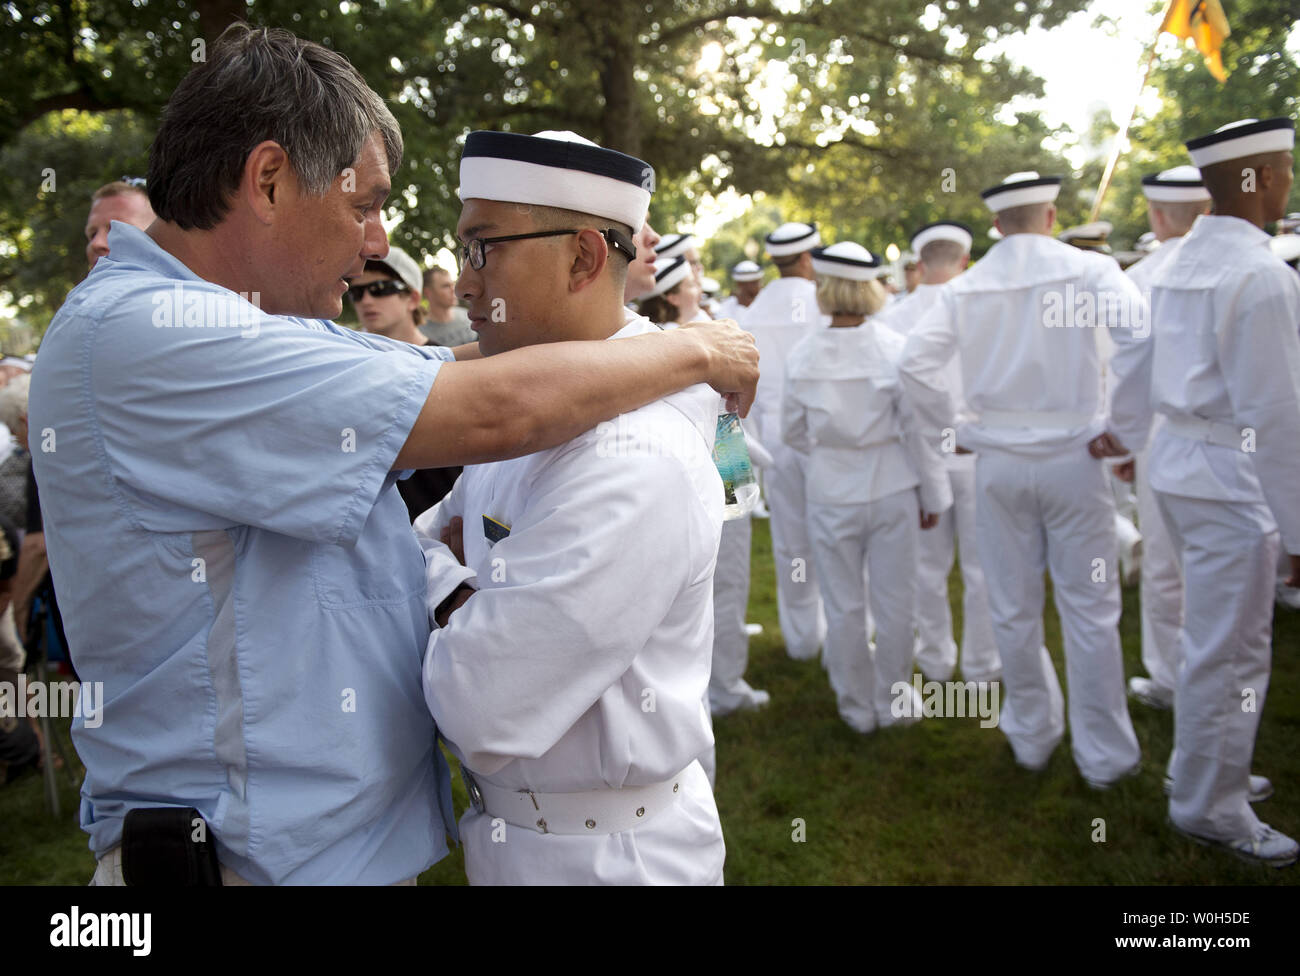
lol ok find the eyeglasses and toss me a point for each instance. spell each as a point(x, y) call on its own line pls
point(377, 289)
point(473, 254)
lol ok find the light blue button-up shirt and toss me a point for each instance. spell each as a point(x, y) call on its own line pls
point(234, 563)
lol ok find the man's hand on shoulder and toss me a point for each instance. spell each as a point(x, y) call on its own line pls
point(733, 360)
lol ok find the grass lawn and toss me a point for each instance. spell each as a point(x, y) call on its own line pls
point(940, 802)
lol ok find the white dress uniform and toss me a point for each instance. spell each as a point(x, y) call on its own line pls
point(582, 662)
point(936, 651)
point(1161, 580)
point(782, 314)
point(844, 410)
point(730, 308)
point(1033, 381)
point(1224, 370)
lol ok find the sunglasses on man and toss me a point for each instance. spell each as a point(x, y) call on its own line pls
point(377, 289)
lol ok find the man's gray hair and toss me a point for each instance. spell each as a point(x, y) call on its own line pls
point(259, 85)
point(13, 401)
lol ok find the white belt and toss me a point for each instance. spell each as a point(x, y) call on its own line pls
point(588, 812)
point(1200, 429)
point(1048, 419)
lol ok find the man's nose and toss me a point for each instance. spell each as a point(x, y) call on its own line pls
point(375, 245)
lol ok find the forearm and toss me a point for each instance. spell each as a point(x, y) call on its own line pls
point(531, 399)
point(33, 564)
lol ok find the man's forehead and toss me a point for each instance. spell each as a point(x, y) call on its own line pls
point(479, 217)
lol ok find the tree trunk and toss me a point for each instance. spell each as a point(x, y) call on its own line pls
point(620, 124)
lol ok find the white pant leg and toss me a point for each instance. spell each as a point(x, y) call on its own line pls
point(936, 651)
point(979, 648)
point(839, 546)
point(1013, 554)
point(730, 600)
point(1083, 554)
point(1229, 551)
point(892, 527)
point(1161, 590)
point(798, 599)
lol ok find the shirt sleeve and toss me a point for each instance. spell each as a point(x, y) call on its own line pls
point(1128, 323)
point(443, 572)
point(286, 425)
point(578, 586)
point(930, 344)
point(1259, 354)
point(794, 419)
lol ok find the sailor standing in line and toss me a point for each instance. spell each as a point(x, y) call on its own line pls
point(943, 249)
point(1022, 320)
point(783, 313)
point(872, 480)
point(1175, 198)
point(1223, 367)
point(747, 277)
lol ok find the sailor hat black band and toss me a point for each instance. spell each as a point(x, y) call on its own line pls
point(847, 260)
point(1248, 137)
point(1020, 190)
point(791, 239)
point(556, 169)
point(673, 246)
point(668, 275)
point(1182, 184)
point(746, 271)
point(942, 230)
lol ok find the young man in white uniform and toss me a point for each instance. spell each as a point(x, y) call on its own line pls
point(1022, 320)
point(944, 251)
point(1223, 367)
point(1175, 198)
point(873, 482)
point(748, 279)
point(571, 682)
point(783, 313)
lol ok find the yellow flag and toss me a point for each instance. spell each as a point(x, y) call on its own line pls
point(1204, 22)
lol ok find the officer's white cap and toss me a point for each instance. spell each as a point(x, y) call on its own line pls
point(847, 260)
point(556, 169)
point(1020, 190)
point(1182, 184)
point(789, 239)
point(1249, 137)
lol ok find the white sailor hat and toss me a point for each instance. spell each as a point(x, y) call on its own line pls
point(668, 274)
point(847, 260)
point(942, 230)
point(1146, 243)
point(1249, 137)
point(1020, 190)
point(556, 169)
point(1182, 184)
point(746, 271)
point(1286, 246)
point(790, 239)
point(710, 286)
point(403, 265)
point(673, 246)
point(1088, 237)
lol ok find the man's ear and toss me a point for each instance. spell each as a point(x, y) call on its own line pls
point(267, 175)
point(589, 258)
point(1051, 217)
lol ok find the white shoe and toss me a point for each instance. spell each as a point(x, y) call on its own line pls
point(740, 697)
point(1264, 846)
point(1149, 693)
point(1101, 785)
point(1260, 788)
point(753, 630)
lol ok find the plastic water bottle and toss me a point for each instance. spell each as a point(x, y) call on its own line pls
point(739, 487)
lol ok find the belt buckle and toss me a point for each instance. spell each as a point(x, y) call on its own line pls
point(471, 787)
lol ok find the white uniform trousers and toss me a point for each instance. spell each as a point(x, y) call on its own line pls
point(880, 535)
point(730, 600)
point(1056, 514)
point(1228, 552)
point(798, 598)
point(1161, 589)
point(936, 651)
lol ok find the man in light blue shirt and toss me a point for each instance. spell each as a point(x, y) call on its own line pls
point(217, 466)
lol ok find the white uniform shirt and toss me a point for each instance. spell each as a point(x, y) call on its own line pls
point(902, 317)
point(730, 308)
point(782, 314)
point(1225, 348)
point(597, 601)
point(844, 407)
point(1023, 321)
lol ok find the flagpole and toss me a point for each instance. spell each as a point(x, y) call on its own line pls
point(1128, 120)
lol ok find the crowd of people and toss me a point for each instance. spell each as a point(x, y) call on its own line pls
point(491, 516)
